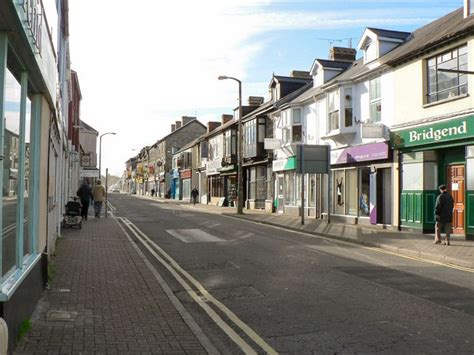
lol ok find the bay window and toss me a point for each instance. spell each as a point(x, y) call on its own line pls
point(333, 110)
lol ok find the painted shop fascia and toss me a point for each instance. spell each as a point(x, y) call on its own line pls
point(434, 149)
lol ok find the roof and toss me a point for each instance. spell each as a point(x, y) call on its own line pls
point(390, 33)
point(176, 130)
point(87, 127)
point(288, 98)
point(220, 129)
point(336, 64)
point(448, 28)
point(288, 79)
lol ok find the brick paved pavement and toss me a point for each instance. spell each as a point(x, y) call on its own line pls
point(103, 298)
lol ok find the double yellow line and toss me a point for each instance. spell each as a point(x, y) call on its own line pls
point(200, 295)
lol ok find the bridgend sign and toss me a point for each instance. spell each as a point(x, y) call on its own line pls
point(454, 129)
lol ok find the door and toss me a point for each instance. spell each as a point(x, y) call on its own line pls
point(279, 192)
point(455, 179)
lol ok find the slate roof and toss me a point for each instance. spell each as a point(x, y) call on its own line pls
point(389, 33)
point(327, 63)
point(176, 130)
point(288, 79)
point(448, 28)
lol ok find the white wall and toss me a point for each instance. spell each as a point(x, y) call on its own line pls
point(409, 81)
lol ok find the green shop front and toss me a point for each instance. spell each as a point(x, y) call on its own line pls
point(430, 154)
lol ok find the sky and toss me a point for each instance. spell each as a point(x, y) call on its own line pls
point(143, 66)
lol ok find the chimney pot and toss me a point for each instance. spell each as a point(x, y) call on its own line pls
point(178, 124)
point(255, 100)
point(186, 119)
point(173, 127)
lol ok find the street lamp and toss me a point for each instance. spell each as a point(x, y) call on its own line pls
point(100, 151)
point(240, 178)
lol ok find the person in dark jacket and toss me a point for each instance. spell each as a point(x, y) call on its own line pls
point(444, 214)
point(194, 194)
point(85, 194)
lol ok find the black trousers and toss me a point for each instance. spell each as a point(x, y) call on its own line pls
point(85, 208)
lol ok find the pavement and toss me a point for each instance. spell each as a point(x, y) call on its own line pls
point(105, 298)
point(460, 253)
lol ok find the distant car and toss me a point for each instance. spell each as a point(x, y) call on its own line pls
point(115, 189)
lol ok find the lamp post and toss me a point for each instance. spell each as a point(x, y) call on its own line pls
point(240, 178)
point(100, 150)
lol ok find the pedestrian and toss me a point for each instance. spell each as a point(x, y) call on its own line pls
point(152, 192)
point(98, 193)
point(194, 194)
point(85, 194)
point(444, 214)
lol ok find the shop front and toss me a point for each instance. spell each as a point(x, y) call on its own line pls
point(215, 182)
point(186, 184)
point(229, 174)
point(174, 188)
point(287, 187)
point(362, 179)
point(437, 153)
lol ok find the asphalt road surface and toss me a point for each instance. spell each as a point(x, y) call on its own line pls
point(251, 287)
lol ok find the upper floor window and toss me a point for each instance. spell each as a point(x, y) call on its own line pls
point(375, 101)
point(250, 132)
point(443, 85)
point(333, 110)
point(348, 107)
point(296, 129)
point(230, 142)
point(291, 126)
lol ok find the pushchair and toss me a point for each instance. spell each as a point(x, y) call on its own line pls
point(72, 216)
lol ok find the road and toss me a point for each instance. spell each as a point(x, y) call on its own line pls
point(257, 288)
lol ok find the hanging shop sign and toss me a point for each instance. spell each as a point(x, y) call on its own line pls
point(445, 131)
point(284, 164)
point(186, 174)
point(367, 152)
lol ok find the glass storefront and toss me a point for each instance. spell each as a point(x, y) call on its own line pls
point(186, 189)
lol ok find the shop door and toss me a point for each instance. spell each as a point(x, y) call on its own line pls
point(456, 188)
point(279, 192)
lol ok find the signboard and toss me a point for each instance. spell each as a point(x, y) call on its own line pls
point(186, 174)
point(86, 159)
point(440, 132)
point(90, 173)
point(367, 152)
point(272, 143)
point(312, 159)
point(284, 164)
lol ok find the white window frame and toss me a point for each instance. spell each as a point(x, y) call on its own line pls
point(375, 100)
point(333, 116)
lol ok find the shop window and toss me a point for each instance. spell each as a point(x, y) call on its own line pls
point(375, 101)
point(430, 175)
point(333, 110)
point(252, 183)
point(470, 168)
point(339, 191)
point(412, 178)
point(351, 193)
point(348, 107)
point(290, 188)
point(364, 192)
point(444, 85)
point(312, 190)
point(261, 183)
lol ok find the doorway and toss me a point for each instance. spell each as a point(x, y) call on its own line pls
point(279, 192)
point(456, 187)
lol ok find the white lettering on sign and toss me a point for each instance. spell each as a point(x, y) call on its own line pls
point(438, 134)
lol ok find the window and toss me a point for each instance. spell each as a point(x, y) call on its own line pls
point(375, 101)
point(296, 133)
point(333, 110)
point(250, 146)
point(230, 142)
point(348, 107)
point(444, 85)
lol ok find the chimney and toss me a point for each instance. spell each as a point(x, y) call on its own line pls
point(212, 125)
point(301, 74)
point(467, 8)
point(173, 127)
point(178, 124)
point(226, 118)
point(255, 100)
point(342, 54)
point(186, 119)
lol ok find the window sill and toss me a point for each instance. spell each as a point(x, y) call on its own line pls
point(10, 285)
point(440, 102)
